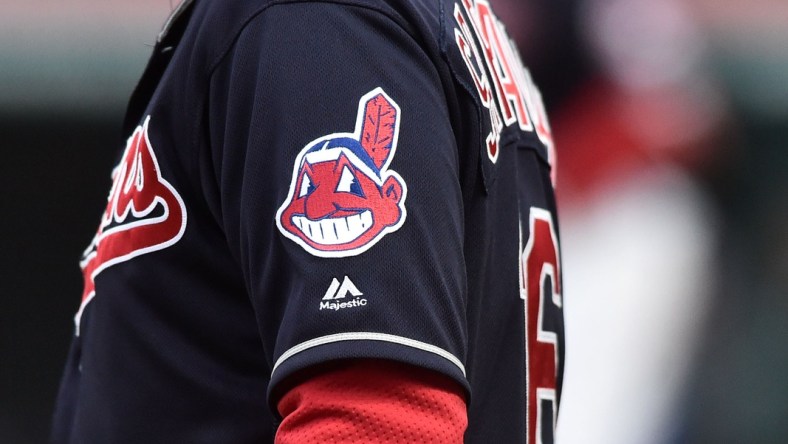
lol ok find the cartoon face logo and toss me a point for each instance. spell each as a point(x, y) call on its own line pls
point(343, 198)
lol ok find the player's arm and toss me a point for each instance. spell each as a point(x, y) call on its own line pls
point(363, 401)
point(323, 128)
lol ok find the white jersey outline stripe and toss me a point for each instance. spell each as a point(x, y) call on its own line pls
point(368, 336)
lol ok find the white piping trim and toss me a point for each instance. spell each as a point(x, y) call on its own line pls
point(368, 336)
point(171, 19)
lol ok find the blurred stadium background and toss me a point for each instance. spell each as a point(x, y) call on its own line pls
point(670, 117)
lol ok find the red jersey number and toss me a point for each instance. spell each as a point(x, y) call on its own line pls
point(541, 291)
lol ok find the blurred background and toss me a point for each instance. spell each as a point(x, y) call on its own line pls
point(670, 118)
point(67, 69)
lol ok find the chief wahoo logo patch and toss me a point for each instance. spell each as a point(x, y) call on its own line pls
point(343, 198)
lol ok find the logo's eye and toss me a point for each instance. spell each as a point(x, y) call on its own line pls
point(306, 186)
point(348, 183)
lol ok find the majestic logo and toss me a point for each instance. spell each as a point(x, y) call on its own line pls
point(343, 198)
point(144, 214)
point(336, 291)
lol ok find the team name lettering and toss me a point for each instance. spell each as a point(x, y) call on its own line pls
point(508, 92)
point(144, 214)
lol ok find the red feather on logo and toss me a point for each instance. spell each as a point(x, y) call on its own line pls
point(378, 129)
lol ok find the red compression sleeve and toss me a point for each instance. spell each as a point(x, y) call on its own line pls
point(373, 401)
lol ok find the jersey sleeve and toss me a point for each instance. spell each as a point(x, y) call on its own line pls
point(382, 402)
point(337, 170)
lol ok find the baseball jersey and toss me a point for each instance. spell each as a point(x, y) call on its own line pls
point(310, 181)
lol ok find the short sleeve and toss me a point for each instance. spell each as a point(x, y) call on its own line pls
point(337, 170)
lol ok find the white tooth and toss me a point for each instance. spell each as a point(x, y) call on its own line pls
point(342, 230)
point(311, 229)
point(352, 231)
point(354, 224)
point(366, 219)
point(327, 230)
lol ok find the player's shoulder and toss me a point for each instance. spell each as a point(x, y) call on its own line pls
point(220, 22)
point(229, 16)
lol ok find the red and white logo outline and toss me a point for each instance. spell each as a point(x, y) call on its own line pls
point(117, 240)
point(337, 148)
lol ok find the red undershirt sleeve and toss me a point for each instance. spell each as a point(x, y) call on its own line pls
point(363, 401)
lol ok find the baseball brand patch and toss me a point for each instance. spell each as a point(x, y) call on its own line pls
point(343, 198)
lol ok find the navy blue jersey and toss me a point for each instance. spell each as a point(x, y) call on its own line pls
point(308, 181)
